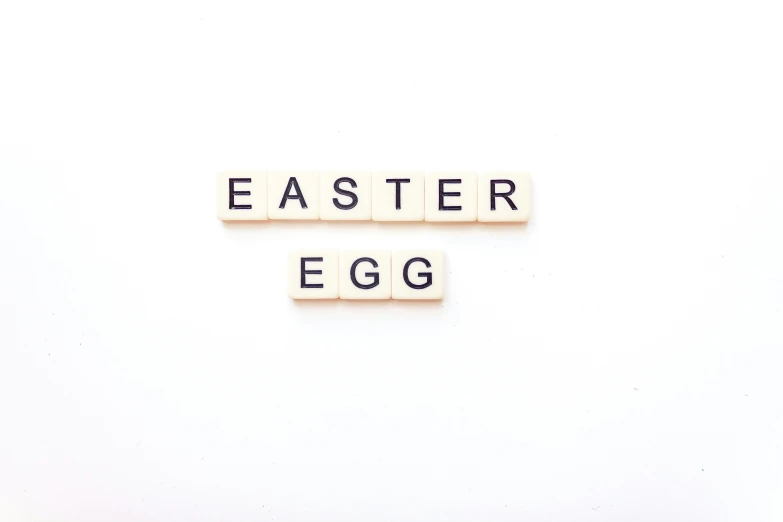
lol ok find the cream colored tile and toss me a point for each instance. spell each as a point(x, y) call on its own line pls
point(293, 195)
point(417, 274)
point(503, 197)
point(365, 274)
point(346, 196)
point(398, 196)
point(241, 195)
point(450, 196)
point(313, 274)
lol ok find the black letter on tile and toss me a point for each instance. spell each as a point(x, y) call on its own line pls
point(304, 272)
point(504, 195)
point(442, 182)
point(397, 182)
point(375, 276)
point(426, 275)
point(286, 196)
point(232, 193)
point(343, 192)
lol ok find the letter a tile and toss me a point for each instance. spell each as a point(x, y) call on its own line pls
point(293, 195)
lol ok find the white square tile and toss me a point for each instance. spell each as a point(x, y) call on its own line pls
point(241, 195)
point(398, 196)
point(417, 274)
point(365, 274)
point(293, 195)
point(450, 196)
point(503, 196)
point(346, 196)
point(313, 274)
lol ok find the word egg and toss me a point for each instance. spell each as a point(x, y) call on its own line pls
point(365, 274)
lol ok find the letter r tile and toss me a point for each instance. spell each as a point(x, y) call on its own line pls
point(503, 197)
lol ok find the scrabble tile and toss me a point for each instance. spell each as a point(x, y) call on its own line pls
point(450, 196)
point(398, 196)
point(503, 197)
point(313, 274)
point(241, 195)
point(417, 274)
point(346, 196)
point(365, 274)
point(293, 195)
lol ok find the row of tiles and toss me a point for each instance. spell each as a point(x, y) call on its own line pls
point(365, 274)
point(393, 196)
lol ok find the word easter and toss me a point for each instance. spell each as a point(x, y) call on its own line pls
point(399, 196)
point(376, 274)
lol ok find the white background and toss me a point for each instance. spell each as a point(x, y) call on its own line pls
point(617, 359)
